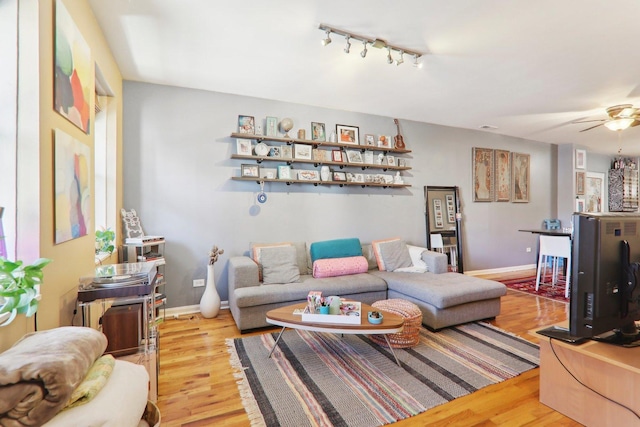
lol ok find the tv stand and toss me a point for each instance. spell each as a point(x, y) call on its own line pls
point(620, 338)
point(611, 370)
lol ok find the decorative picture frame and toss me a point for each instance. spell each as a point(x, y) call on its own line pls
point(437, 210)
point(302, 151)
point(391, 161)
point(243, 147)
point(246, 124)
point(348, 134)
point(318, 132)
point(384, 141)
point(482, 174)
point(402, 163)
point(318, 154)
point(308, 175)
point(581, 159)
point(284, 172)
point(359, 177)
point(502, 174)
point(370, 140)
point(451, 209)
point(580, 183)
point(354, 156)
point(520, 177)
point(336, 155)
point(594, 192)
point(272, 126)
point(286, 151)
point(339, 176)
point(367, 157)
point(580, 205)
point(268, 173)
point(250, 171)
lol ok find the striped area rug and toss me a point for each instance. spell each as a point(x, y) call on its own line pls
point(319, 379)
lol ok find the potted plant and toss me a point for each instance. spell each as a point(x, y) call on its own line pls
point(18, 292)
point(104, 241)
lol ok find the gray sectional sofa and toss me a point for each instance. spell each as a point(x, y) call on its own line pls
point(444, 298)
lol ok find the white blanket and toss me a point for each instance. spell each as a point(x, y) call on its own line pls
point(120, 403)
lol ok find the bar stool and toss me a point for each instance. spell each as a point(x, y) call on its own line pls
point(437, 243)
point(555, 247)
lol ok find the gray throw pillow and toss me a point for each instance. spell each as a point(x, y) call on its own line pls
point(279, 265)
point(395, 255)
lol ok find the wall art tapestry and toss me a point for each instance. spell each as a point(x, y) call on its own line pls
point(72, 187)
point(503, 175)
point(73, 83)
point(520, 166)
point(482, 174)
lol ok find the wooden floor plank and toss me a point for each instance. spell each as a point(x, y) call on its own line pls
point(197, 386)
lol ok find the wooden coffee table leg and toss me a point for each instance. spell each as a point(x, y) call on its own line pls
point(278, 339)
point(392, 352)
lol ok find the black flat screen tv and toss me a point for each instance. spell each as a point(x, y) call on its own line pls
point(605, 288)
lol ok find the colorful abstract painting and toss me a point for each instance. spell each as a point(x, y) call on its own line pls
point(73, 71)
point(72, 187)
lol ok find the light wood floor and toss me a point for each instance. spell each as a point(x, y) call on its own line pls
point(197, 387)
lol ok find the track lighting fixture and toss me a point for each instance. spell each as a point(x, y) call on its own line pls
point(327, 39)
point(364, 51)
point(373, 42)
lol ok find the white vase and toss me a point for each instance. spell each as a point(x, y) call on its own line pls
point(210, 301)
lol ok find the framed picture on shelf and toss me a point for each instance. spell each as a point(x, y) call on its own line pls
point(246, 124)
point(370, 140)
point(580, 179)
point(402, 163)
point(268, 173)
point(286, 152)
point(348, 134)
point(520, 179)
point(250, 171)
point(391, 161)
point(272, 126)
point(318, 132)
point(339, 176)
point(336, 155)
point(581, 159)
point(368, 157)
point(354, 156)
point(384, 141)
point(318, 154)
point(243, 147)
point(502, 164)
point(284, 172)
point(274, 152)
point(308, 175)
point(359, 177)
point(482, 174)
point(302, 151)
point(580, 205)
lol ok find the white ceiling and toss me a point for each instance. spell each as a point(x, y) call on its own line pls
point(530, 68)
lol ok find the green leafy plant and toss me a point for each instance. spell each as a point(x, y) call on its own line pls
point(18, 293)
point(104, 240)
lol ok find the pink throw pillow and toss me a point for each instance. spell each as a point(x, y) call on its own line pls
point(331, 267)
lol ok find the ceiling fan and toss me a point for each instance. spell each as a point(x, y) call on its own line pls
point(620, 117)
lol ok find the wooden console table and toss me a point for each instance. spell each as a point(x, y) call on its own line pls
point(610, 370)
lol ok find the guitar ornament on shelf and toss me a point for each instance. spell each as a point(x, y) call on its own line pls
point(398, 140)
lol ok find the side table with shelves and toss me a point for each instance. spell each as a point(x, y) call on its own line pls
point(323, 147)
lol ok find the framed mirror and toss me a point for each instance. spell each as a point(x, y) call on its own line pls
point(443, 218)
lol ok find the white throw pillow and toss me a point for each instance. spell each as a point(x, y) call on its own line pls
point(415, 252)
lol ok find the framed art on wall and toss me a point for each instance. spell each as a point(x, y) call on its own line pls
point(302, 151)
point(594, 192)
point(580, 183)
point(348, 134)
point(272, 126)
point(354, 156)
point(482, 174)
point(581, 159)
point(243, 147)
point(502, 175)
point(520, 178)
point(318, 132)
point(336, 155)
point(250, 171)
point(246, 124)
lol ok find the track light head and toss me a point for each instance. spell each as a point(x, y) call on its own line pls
point(401, 59)
point(364, 51)
point(415, 61)
point(348, 46)
point(326, 40)
point(389, 58)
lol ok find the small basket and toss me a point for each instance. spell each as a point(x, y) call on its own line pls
point(410, 335)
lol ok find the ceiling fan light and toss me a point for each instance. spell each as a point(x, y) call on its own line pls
point(619, 124)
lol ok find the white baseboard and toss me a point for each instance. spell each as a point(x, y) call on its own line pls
point(175, 312)
point(500, 270)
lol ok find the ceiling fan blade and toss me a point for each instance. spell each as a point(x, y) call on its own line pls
point(636, 122)
point(589, 121)
point(592, 127)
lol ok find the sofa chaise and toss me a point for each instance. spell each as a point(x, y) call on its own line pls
point(445, 298)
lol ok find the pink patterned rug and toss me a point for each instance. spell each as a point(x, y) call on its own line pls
point(528, 285)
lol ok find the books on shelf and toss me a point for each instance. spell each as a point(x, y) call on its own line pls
point(143, 239)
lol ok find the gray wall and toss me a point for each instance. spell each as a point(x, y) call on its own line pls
point(177, 171)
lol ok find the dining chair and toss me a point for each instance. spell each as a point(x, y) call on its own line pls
point(555, 247)
point(437, 244)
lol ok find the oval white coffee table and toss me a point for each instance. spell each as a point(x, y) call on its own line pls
point(285, 317)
